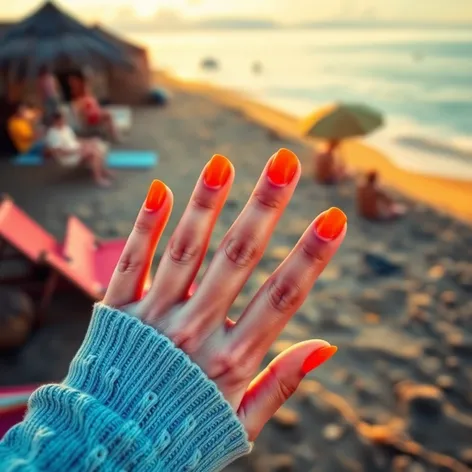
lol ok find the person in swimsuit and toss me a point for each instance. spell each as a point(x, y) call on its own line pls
point(328, 166)
point(23, 129)
point(88, 108)
point(49, 93)
point(373, 203)
point(69, 151)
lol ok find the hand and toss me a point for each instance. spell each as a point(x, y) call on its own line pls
point(229, 353)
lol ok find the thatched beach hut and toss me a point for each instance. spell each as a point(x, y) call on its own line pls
point(50, 36)
point(126, 85)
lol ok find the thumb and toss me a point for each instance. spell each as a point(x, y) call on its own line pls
point(278, 381)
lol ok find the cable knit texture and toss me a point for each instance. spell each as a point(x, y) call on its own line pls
point(132, 401)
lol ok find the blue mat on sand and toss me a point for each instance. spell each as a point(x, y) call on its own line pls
point(115, 159)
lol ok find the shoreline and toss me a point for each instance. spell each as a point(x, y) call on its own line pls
point(445, 194)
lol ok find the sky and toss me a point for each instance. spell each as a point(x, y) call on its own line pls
point(288, 11)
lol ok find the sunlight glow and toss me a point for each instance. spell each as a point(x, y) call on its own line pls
point(278, 10)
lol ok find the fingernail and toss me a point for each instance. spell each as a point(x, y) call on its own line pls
point(316, 358)
point(329, 224)
point(156, 195)
point(282, 167)
point(217, 172)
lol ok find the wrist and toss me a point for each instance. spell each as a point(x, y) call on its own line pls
point(156, 388)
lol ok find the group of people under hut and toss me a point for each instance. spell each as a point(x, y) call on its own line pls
point(373, 202)
point(52, 129)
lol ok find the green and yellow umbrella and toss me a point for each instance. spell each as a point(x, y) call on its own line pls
point(341, 121)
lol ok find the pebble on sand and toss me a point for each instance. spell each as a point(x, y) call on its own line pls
point(286, 418)
point(445, 382)
point(280, 252)
point(282, 463)
point(436, 272)
point(333, 432)
point(449, 298)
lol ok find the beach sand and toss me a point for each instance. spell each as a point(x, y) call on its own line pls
point(396, 396)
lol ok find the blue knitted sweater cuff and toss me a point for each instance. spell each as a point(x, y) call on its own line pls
point(131, 401)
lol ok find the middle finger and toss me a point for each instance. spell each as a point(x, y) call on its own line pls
point(244, 244)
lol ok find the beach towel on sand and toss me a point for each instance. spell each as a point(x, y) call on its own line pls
point(115, 159)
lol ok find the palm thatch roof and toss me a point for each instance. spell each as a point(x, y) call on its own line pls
point(4, 27)
point(49, 36)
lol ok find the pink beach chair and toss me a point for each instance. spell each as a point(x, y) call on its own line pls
point(30, 241)
point(23, 234)
point(84, 260)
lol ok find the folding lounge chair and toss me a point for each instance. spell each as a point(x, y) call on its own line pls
point(83, 260)
point(29, 240)
point(23, 234)
point(86, 261)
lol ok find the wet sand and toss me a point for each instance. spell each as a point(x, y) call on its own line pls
point(397, 300)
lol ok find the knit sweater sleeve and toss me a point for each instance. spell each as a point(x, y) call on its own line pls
point(131, 401)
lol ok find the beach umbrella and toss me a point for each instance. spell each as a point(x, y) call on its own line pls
point(342, 120)
point(50, 36)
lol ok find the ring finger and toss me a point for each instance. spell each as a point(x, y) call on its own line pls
point(285, 291)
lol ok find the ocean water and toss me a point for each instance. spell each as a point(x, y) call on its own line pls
point(420, 79)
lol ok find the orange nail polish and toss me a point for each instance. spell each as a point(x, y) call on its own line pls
point(330, 224)
point(217, 171)
point(282, 167)
point(316, 358)
point(156, 195)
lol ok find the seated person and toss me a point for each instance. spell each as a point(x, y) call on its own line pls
point(64, 146)
point(87, 107)
point(329, 168)
point(48, 90)
point(373, 203)
point(23, 129)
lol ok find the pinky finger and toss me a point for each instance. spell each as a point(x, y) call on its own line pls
point(131, 272)
point(276, 384)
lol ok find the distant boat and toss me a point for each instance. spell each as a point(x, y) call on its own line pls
point(418, 56)
point(257, 67)
point(210, 63)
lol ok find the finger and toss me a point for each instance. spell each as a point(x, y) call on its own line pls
point(276, 384)
point(128, 280)
point(286, 289)
point(189, 243)
point(244, 244)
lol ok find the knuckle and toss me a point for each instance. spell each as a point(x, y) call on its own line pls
point(242, 252)
point(181, 337)
point(266, 200)
point(203, 202)
point(129, 264)
point(223, 362)
point(189, 344)
point(284, 390)
point(182, 252)
point(313, 253)
point(284, 295)
point(143, 226)
point(229, 363)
